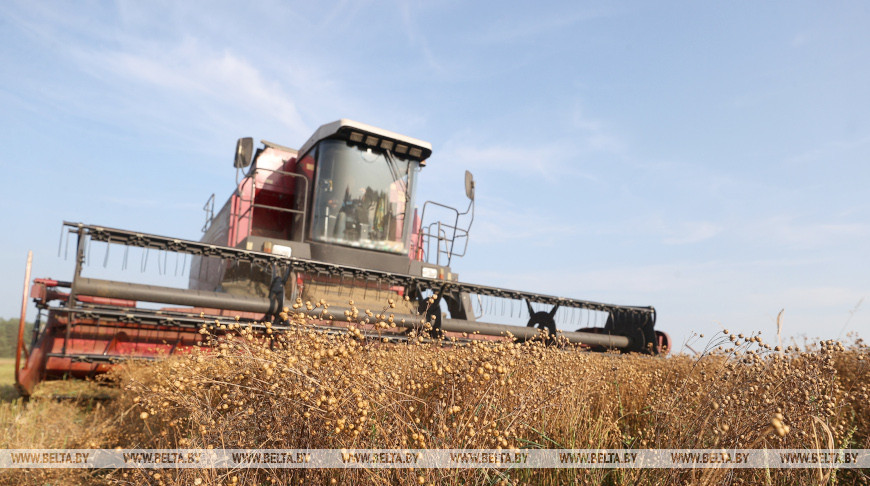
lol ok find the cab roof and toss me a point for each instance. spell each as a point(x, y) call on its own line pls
point(365, 134)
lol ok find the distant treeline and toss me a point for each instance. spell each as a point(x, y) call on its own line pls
point(9, 336)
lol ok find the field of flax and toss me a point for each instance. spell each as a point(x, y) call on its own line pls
point(305, 389)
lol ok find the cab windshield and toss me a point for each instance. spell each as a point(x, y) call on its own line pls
point(362, 197)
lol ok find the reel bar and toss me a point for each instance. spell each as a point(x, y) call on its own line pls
point(168, 295)
point(191, 322)
point(592, 339)
point(150, 241)
point(220, 300)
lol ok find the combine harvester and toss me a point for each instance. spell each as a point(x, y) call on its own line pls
point(334, 220)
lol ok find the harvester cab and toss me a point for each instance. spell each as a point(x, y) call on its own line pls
point(346, 197)
point(330, 230)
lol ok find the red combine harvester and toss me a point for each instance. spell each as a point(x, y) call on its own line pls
point(334, 220)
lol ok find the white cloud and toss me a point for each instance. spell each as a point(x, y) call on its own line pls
point(532, 25)
point(192, 70)
point(501, 221)
point(691, 232)
point(805, 297)
point(561, 157)
point(594, 135)
point(546, 161)
point(140, 203)
point(790, 232)
point(826, 153)
point(800, 40)
point(415, 36)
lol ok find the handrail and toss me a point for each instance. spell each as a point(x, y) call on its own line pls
point(426, 235)
point(208, 207)
point(248, 213)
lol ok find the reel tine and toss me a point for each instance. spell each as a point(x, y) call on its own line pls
point(106, 257)
point(126, 253)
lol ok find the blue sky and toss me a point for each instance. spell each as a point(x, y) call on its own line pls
point(709, 159)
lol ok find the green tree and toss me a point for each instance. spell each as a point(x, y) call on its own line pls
point(9, 336)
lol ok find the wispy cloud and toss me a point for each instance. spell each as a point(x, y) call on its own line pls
point(806, 297)
point(800, 39)
point(115, 60)
point(792, 231)
point(563, 155)
point(415, 35)
point(594, 134)
point(547, 161)
point(691, 232)
point(193, 70)
point(539, 22)
point(140, 203)
point(500, 220)
point(827, 152)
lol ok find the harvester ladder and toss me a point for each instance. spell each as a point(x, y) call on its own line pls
point(247, 214)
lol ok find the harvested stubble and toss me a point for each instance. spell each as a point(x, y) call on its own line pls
point(303, 389)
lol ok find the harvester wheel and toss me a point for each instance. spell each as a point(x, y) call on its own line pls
point(543, 320)
point(432, 313)
point(429, 310)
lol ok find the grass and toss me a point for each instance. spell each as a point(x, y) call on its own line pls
point(303, 389)
point(7, 380)
point(7, 371)
point(45, 422)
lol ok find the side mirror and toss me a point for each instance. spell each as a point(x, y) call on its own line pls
point(244, 152)
point(469, 185)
